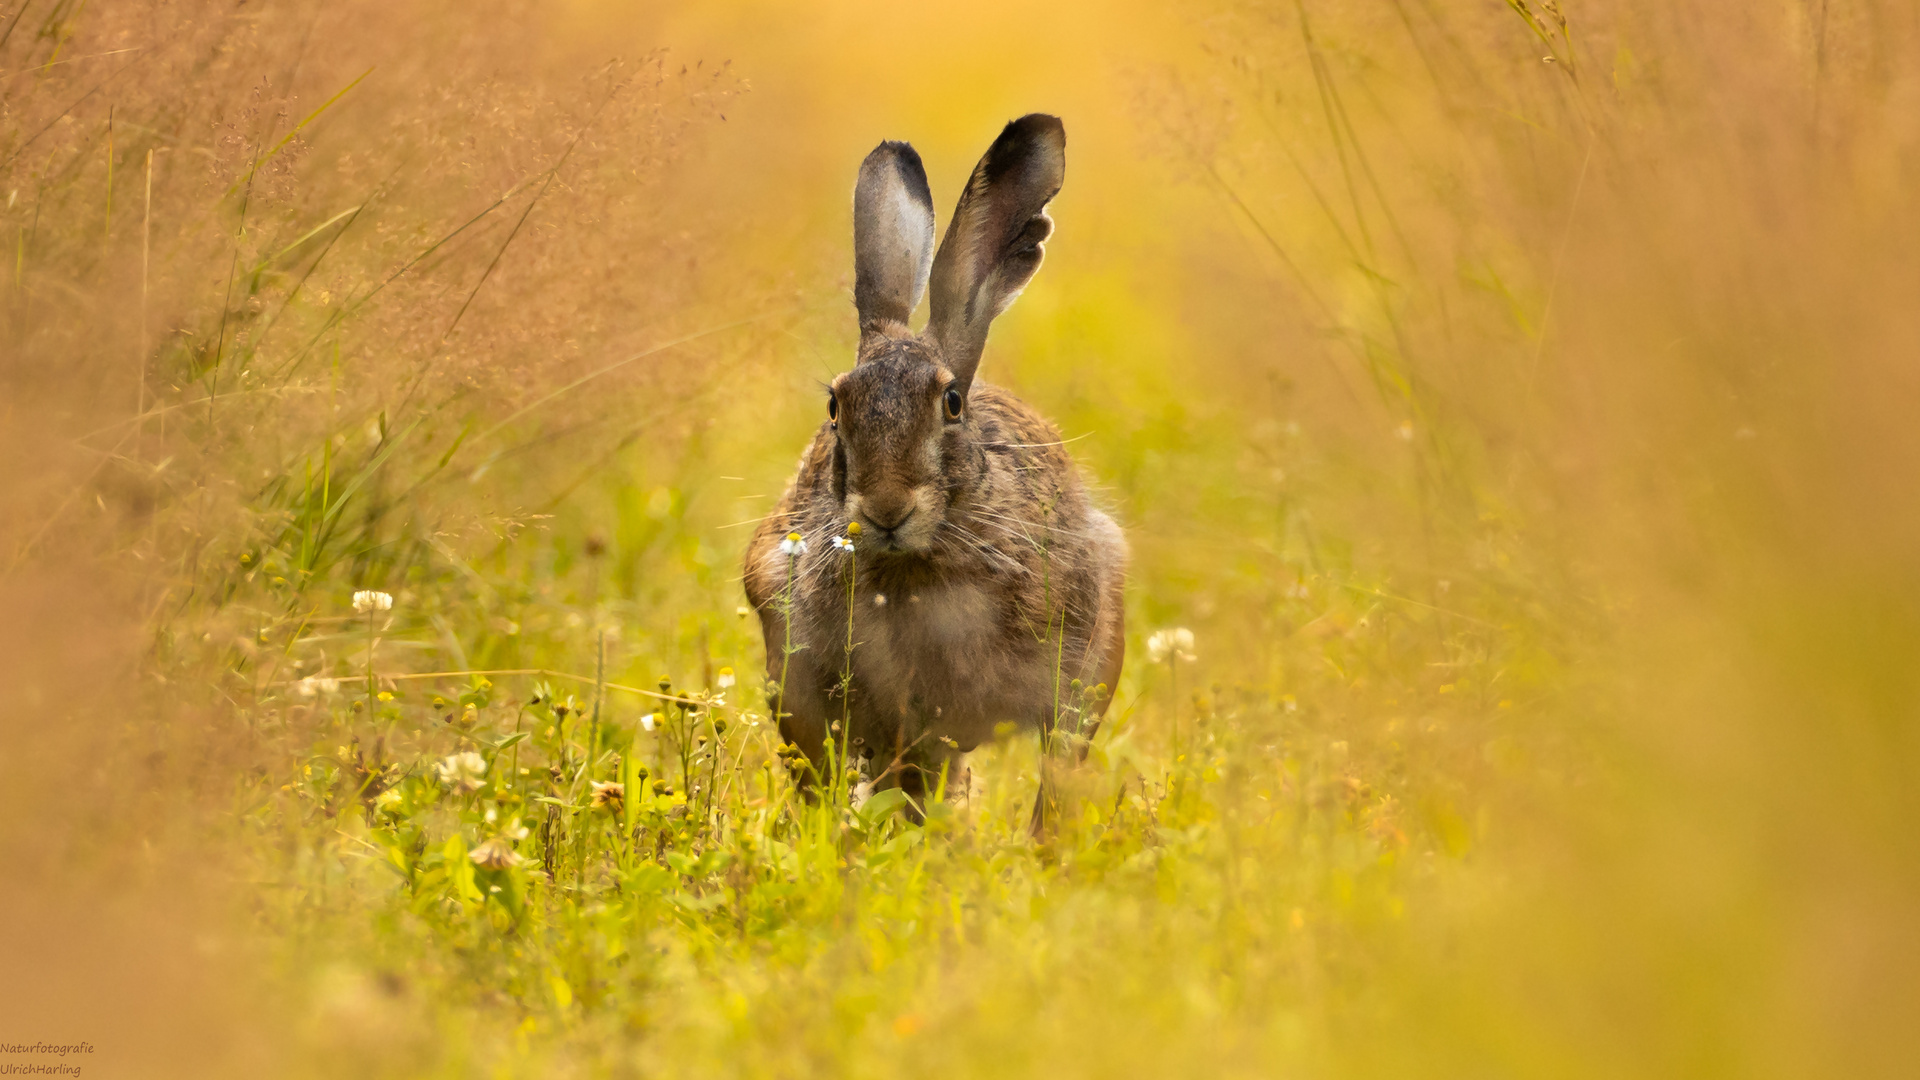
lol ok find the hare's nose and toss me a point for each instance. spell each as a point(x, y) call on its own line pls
point(889, 518)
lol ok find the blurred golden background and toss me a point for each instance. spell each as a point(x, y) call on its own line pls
point(1513, 398)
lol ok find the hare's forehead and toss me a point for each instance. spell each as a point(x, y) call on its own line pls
point(881, 381)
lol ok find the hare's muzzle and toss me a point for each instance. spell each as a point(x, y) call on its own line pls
point(894, 521)
point(890, 517)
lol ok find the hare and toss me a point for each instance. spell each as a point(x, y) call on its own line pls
point(983, 584)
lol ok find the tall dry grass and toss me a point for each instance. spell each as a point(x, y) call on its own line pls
point(274, 277)
point(1512, 397)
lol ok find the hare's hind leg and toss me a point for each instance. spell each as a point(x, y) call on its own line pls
point(1109, 652)
point(1058, 745)
point(795, 698)
point(802, 706)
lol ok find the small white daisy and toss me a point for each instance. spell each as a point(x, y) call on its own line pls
point(843, 543)
point(646, 722)
point(369, 600)
point(794, 545)
point(725, 679)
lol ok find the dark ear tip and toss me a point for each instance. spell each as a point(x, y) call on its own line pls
point(1034, 139)
point(906, 161)
point(891, 147)
point(1040, 127)
point(901, 155)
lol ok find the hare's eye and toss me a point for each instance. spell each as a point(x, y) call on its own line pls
point(833, 410)
point(953, 403)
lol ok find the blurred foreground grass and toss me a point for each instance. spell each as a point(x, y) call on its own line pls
point(1514, 407)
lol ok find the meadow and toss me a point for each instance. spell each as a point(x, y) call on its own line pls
point(1508, 406)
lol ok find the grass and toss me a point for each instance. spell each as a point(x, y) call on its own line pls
point(1508, 401)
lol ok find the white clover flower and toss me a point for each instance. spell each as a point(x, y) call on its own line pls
point(1176, 643)
point(462, 772)
point(843, 543)
point(725, 679)
point(794, 545)
point(370, 600)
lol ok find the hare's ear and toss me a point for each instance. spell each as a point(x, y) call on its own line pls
point(892, 236)
point(993, 244)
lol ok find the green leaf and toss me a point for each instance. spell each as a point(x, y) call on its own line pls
point(513, 893)
point(630, 783)
point(882, 805)
point(460, 869)
point(650, 879)
point(398, 859)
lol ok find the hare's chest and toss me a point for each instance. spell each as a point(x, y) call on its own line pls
point(924, 626)
point(930, 647)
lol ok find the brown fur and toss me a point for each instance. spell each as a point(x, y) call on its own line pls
point(986, 580)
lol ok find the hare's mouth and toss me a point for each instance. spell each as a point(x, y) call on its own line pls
point(895, 526)
point(906, 536)
point(898, 537)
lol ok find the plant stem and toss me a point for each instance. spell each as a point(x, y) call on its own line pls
point(786, 650)
point(846, 675)
point(1173, 706)
point(370, 713)
point(599, 695)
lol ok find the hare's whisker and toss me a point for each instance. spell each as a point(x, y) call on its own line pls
point(1037, 445)
point(985, 549)
point(1024, 524)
